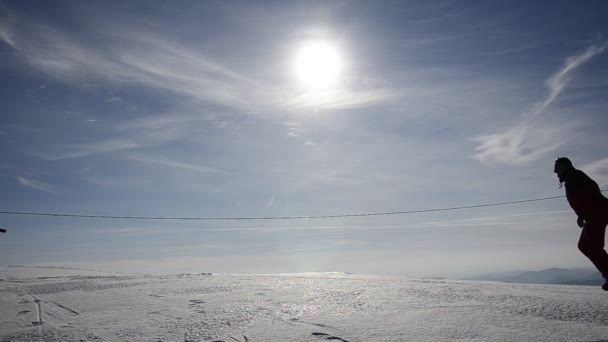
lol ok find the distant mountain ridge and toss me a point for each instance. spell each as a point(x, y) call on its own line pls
point(562, 276)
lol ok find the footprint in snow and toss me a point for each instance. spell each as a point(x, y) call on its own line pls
point(245, 339)
point(328, 337)
point(196, 305)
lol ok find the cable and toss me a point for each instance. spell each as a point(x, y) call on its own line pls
point(281, 217)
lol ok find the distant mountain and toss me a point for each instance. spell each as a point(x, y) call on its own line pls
point(564, 276)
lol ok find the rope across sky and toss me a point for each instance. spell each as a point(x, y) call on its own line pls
point(281, 217)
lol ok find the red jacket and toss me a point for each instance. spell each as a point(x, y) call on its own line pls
point(585, 197)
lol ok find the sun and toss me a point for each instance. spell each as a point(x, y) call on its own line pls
point(318, 64)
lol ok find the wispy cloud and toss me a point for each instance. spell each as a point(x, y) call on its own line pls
point(175, 164)
point(598, 170)
point(558, 81)
point(339, 99)
point(36, 185)
point(131, 57)
point(152, 130)
point(536, 134)
point(125, 54)
point(270, 202)
point(113, 100)
point(524, 142)
point(5, 34)
point(105, 146)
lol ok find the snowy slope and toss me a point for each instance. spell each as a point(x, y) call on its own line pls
point(54, 304)
point(574, 276)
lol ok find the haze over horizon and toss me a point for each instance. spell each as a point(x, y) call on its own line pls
point(269, 109)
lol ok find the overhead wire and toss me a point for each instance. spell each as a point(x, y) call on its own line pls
point(226, 218)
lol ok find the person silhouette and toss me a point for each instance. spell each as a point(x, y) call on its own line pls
point(591, 207)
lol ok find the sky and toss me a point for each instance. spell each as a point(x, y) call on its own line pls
point(301, 108)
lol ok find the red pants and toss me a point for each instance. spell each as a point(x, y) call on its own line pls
point(591, 244)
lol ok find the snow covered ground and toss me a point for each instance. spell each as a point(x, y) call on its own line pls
point(60, 304)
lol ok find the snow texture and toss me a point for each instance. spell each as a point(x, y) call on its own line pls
point(61, 304)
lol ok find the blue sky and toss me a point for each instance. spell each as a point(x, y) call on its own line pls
point(192, 108)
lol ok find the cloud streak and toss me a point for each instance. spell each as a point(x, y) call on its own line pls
point(598, 170)
point(176, 164)
point(127, 55)
point(559, 80)
point(124, 54)
point(36, 185)
point(151, 130)
point(536, 135)
point(106, 146)
point(5, 34)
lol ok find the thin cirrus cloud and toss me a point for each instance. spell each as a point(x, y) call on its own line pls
point(34, 184)
point(5, 33)
point(132, 56)
point(150, 60)
point(339, 99)
point(598, 170)
point(103, 146)
point(148, 131)
point(536, 134)
point(6, 36)
point(166, 162)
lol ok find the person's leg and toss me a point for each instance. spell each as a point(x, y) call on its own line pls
point(591, 244)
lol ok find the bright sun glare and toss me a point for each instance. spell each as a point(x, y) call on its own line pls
point(318, 64)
